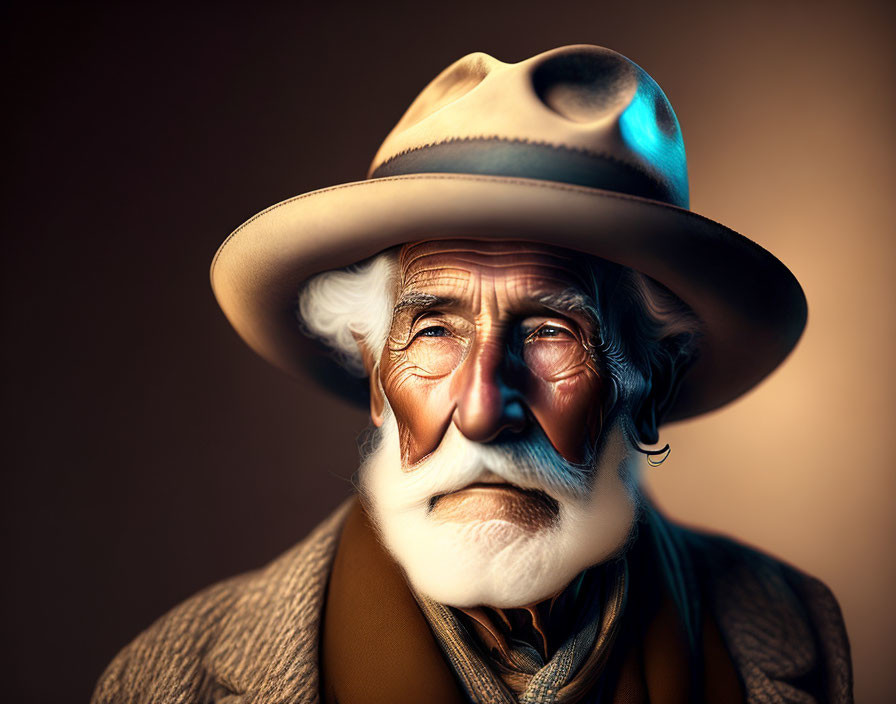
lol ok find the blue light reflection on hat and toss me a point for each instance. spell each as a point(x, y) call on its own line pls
point(662, 150)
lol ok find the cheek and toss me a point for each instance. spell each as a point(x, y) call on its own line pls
point(432, 358)
point(555, 360)
point(570, 411)
point(422, 408)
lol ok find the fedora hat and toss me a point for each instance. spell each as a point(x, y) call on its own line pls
point(576, 147)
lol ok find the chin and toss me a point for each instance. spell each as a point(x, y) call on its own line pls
point(495, 560)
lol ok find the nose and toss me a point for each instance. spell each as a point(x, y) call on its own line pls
point(486, 404)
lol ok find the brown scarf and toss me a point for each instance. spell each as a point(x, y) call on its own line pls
point(377, 647)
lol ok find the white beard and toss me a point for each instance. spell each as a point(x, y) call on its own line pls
point(497, 562)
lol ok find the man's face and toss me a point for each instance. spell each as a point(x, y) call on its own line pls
point(492, 337)
point(495, 401)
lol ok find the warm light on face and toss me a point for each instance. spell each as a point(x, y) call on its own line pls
point(494, 479)
point(493, 337)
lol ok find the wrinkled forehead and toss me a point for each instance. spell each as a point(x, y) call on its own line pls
point(456, 263)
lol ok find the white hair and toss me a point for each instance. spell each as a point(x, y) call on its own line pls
point(645, 335)
point(643, 325)
point(337, 305)
point(496, 561)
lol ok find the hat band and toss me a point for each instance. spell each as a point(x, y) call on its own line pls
point(495, 156)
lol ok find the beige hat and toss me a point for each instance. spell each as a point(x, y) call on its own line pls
point(576, 147)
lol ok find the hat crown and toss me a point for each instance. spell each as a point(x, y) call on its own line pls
point(512, 137)
point(579, 114)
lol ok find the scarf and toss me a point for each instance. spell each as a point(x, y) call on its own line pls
point(382, 645)
point(521, 674)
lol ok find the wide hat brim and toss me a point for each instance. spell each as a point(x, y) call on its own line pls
point(752, 308)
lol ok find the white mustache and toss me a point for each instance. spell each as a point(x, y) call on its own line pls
point(530, 462)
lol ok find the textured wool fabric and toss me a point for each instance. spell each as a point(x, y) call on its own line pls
point(255, 638)
point(518, 642)
point(564, 679)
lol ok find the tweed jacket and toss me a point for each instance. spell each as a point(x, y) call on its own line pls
point(256, 638)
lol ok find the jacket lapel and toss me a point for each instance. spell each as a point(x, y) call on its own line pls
point(377, 646)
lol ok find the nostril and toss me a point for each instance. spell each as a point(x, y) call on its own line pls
point(515, 417)
point(484, 425)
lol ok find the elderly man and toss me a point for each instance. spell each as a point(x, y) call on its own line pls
point(526, 294)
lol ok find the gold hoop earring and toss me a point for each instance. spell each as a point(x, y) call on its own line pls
point(651, 454)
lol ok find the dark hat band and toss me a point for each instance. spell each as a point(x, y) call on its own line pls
point(495, 156)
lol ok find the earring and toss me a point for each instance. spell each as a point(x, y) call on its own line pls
point(664, 451)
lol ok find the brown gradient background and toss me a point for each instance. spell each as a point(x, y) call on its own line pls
point(148, 452)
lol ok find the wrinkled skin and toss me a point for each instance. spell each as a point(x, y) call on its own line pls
point(484, 336)
point(501, 472)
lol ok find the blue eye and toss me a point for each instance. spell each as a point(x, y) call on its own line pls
point(433, 331)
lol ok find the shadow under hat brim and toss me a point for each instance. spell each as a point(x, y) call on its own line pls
point(752, 308)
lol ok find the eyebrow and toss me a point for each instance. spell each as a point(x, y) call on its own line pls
point(571, 301)
point(420, 301)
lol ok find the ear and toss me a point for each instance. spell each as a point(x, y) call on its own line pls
point(646, 424)
point(664, 383)
point(371, 365)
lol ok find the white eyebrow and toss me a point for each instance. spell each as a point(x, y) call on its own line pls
point(569, 301)
point(572, 301)
point(417, 299)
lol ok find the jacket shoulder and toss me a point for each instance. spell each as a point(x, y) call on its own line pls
point(783, 627)
point(164, 663)
point(244, 632)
